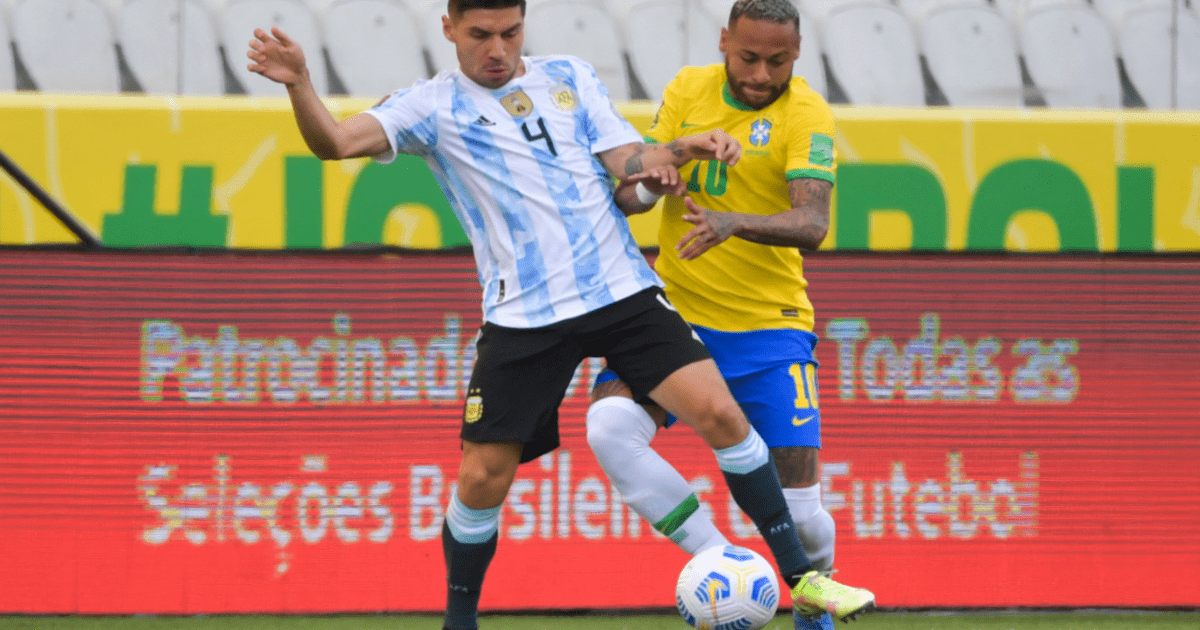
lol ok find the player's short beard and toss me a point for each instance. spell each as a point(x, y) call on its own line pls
point(739, 93)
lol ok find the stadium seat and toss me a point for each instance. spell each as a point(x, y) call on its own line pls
point(1144, 42)
point(872, 53)
point(149, 34)
point(811, 66)
point(661, 38)
point(67, 45)
point(8, 68)
point(971, 52)
point(239, 18)
point(441, 51)
point(1015, 10)
point(575, 27)
point(319, 6)
point(916, 9)
point(1070, 55)
point(374, 46)
point(1115, 10)
point(719, 9)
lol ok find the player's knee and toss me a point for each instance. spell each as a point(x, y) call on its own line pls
point(617, 426)
point(614, 387)
point(720, 418)
point(481, 479)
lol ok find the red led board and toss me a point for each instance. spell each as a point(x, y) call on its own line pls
point(277, 432)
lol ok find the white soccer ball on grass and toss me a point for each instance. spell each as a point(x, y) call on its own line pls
point(727, 588)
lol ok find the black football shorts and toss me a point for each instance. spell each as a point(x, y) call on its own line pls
point(521, 374)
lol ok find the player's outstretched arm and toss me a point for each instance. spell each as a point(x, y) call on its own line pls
point(631, 159)
point(638, 193)
point(280, 59)
point(804, 225)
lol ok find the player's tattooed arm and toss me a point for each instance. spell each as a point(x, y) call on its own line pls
point(804, 225)
point(634, 158)
point(810, 202)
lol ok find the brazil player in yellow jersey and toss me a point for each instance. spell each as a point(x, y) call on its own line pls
point(730, 241)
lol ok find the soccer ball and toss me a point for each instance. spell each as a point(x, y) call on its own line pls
point(727, 588)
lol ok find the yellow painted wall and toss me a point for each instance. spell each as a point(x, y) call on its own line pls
point(79, 149)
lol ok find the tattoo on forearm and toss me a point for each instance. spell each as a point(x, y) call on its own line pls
point(673, 147)
point(633, 165)
point(817, 190)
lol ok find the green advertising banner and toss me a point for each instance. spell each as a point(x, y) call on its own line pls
point(234, 172)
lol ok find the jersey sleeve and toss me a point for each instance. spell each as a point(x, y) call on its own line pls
point(810, 142)
point(607, 128)
point(667, 118)
point(409, 119)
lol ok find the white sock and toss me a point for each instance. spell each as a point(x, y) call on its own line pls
point(619, 432)
point(814, 525)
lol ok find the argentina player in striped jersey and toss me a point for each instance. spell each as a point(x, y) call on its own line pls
point(525, 150)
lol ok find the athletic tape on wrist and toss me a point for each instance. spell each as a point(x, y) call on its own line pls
point(644, 195)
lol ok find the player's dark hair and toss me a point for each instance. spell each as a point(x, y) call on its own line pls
point(456, 7)
point(781, 11)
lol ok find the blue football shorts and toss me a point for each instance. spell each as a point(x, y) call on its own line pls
point(773, 376)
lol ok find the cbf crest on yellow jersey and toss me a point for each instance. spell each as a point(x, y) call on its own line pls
point(739, 285)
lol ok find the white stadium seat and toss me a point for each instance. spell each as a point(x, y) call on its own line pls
point(1115, 10)
point(374, 45)
point(1144, 41)
point(1015, 10)
point(873, 54)
point(239, 18)
point(810, 65)
point(916, 9)
point(441, 50)
point(662, 38)
point(719, 9)
point(67, 45)
point(574, 27)
point(971, 51)
point(8, 68)
point(1070, 55)
point(149, 33)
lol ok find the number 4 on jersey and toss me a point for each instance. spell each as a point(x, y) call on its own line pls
point(544, 135)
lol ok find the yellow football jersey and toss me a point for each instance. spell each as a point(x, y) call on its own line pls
point(739, 285)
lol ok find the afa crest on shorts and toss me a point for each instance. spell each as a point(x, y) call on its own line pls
point(473, 410)
point(760, 132)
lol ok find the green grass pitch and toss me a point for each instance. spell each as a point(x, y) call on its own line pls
point(884, 620)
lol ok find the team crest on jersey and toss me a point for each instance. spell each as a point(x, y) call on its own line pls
point(760, 132)
point(564, 98)
point(517, 103)
point(474, 409)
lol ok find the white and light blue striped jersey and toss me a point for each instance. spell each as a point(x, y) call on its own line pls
point(518, 166)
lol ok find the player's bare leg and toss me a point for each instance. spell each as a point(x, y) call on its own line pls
point(798, 468)
point(698, 395)
point(469, 533)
